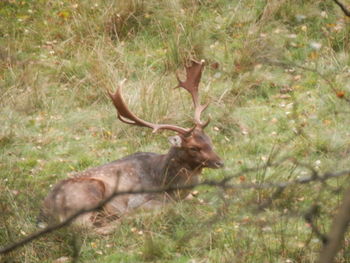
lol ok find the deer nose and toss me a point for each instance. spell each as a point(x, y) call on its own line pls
point(219, 164)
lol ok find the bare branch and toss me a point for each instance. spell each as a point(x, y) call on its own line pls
point(337, 232)
point(224, 183)
point(289, 64)
point(309, 217)
point(342, 7)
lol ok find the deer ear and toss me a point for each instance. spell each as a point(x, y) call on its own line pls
point(175, 141)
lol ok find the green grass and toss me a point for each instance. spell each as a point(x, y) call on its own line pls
point(58, 59)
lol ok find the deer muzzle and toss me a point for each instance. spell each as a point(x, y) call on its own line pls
point(215, 162)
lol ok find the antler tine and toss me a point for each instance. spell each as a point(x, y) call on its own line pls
point(126, 116)
point(193, 77)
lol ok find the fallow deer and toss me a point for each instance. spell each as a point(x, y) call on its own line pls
point(191, 151)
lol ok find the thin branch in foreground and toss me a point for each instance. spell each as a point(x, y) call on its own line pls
point(67, 221)
point(270, 200)
point(325, 78)
point(70, 219)
point(309, 217)
point(76, 248)
point(342, 7)
point(224, 183)
point(336, 234)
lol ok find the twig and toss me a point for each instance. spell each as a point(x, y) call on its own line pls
point(270, 200)
point(324, 77)
point(342, 7)
point(309, 217)
point(224, 183)
point(337, 232)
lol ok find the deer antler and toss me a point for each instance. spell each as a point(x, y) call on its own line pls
point(126, 116)
point(193, 77)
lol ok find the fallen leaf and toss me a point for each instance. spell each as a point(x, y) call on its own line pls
point(326, 122)
point(340, 94)
point(285, 90)
point(214, 65)
point(63, 14)
point(313, 55)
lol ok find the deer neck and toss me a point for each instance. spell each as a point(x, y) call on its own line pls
point(175, 169)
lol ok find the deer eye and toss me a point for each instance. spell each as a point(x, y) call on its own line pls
point(194, 149)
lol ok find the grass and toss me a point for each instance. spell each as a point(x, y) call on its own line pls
point(58, 59)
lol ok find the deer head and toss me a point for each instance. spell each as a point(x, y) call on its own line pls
point(194, 146)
